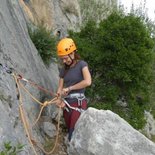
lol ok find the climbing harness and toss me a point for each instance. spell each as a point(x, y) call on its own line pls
point(80, 97)
point(75, 95)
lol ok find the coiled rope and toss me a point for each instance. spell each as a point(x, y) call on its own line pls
point(26, 123)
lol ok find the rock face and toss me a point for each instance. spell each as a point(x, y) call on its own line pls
point(100, 132)
point(149, 128)
point(57, 16)
point(18, 52)
point(61, 15)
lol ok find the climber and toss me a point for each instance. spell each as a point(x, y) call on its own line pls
point(74, 78)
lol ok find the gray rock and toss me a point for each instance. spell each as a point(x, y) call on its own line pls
point(101, 132)
point(49, 129)
point(18, 52)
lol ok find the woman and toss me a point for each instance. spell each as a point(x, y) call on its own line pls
point(74, 78)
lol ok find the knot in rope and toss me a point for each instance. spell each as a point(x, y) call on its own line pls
point(46, 103)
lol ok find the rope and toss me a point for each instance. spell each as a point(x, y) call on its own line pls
point(57, 137)
point(43, 106)
point(21, 110)
point(41, 88)
point(46, 103)
point(30, 94)
point(10, 70)
point(23, 118)
point(25, 122)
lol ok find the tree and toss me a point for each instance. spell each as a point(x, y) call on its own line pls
point(120, 53)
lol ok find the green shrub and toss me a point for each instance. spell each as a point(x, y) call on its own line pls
point(44, 43)
point(11, 150)
point(120, 55)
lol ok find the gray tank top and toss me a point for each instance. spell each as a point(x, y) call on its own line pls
point(73, 75)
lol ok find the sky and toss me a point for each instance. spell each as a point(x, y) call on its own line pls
point(150, 6)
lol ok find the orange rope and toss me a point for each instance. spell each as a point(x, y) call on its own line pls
point(25, 122)
point(43, 106)
point(23, 118)
point(41, 88)
point(30, 94)
point(57, 137)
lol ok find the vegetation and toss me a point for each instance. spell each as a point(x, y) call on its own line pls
point(120, 55)
point(44, 43)
point(96, 10)
point(11, 150)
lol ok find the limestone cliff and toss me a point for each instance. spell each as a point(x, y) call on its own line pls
point(18, 52)
point(55, 15)
point(61, 15)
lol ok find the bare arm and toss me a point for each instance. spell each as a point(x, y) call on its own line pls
point(60, 86)
point(59, 102)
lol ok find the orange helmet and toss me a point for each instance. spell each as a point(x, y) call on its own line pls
point(65, 47)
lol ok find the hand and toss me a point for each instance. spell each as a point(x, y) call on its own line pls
point(58, 94)
point(60, 103)
point(65, 91)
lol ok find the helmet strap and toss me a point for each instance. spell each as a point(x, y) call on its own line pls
point(71, 59)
